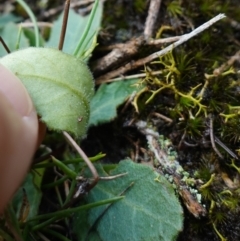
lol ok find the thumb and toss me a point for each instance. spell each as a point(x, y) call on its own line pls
point(18, 134)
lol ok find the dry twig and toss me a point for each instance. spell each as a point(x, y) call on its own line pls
point(154, 42)
point(213, 140)
point(152, 17)
point(163, 117)
point(134, 76)
point(39, 24)
point(84, 157)
point(118, 55)
point(173, 168)
point(55, 11)
point(121, 52)
point(230, 62)
point(143, 61)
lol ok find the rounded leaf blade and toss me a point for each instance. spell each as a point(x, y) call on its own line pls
point(60, 85)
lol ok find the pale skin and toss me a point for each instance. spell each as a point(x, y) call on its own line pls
point(20, 134)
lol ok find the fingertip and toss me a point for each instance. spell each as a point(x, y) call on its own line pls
point(18, 134)
point(15, 92)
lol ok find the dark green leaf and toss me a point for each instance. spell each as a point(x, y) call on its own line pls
point(30, 35)
point(108, 97)
point(150, 210)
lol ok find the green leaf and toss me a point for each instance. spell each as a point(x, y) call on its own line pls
point(30, 35)
point(150, 210)
point(10, 36)
point(75, 27)
point(32, 188)
point(61, 86)
point(108, 97)
point(7, 18)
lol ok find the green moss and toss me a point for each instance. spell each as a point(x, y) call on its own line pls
point(174, 8)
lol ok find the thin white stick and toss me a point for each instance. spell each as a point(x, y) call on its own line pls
point(153, 10)
point(39, 24)
point(134, 76)
point(133, 65)
point(187, 36)
point(113, 177)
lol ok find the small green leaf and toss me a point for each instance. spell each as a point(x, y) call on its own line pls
point(10, 34)
point(61, 86)
point(30, 35)
point(8, 18)
point(76, 25)
point(150, 210)
point(108, 97)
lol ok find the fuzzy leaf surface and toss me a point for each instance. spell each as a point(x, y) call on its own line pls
point(150, 210)
point(60, 85)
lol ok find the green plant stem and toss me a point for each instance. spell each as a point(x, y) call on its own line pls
point(46, 164)
point(65, 213)
point(59, 196)
point(56, 234)
point(209, 182)
point(19, 38)
point(5, 236)
point(218, 233)
point(64, 168)
point(56, 183)
point(86, 30)
point(33, 19)
point(71, 192)
point(44, 224)
point(12, 223)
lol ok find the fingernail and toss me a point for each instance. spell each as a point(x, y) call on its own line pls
point(15, 92)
